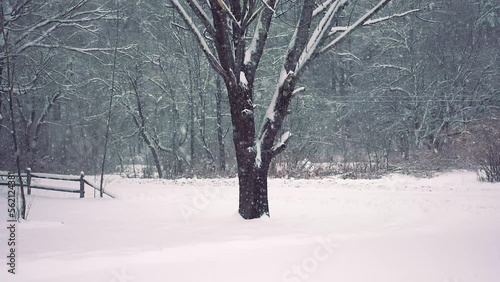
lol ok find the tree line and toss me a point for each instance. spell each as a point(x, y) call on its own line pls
point(409, 80)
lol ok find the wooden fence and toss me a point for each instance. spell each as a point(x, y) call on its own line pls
point(28, 176)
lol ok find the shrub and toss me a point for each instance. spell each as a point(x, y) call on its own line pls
point(490, 163)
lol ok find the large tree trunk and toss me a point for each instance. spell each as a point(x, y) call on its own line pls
point(253, 201)
point(261, 174)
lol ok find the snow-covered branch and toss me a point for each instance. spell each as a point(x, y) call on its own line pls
point(298, 91)
point(199, 37)
point(319, 33)
point(28, 25)
point(202, 16)
point(336, 29)
point(50, 103)
point(86, 51)
point(282, 143)
point(388, 66)
point(256, 47)
point(226, 10)
point(252, 16)
point(354, 26)
point(322, 7)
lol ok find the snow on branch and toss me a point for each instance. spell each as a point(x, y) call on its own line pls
point(268, 6)
point(33, 42)
point(253, 14)
point(388, 66)
point(50, 103)
point(252, 49)
point(298, 91)
point(318, 33)
point(321, 7)
point(256, 47)
point(258, 152)
point(274, 150)
point(243, 80)
point(198, 10)
point(282, 143)
point(251, 17)
point(32, 34)
point(226, 10)
point(398, 15)
point(199, 37)
point(271, 110)
point(85, 51)
point(374, 21)
point(357, 24)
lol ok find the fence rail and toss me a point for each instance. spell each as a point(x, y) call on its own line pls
point(28, 176)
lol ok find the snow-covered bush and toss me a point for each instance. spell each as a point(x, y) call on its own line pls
point(490, 163)
point(488, 155)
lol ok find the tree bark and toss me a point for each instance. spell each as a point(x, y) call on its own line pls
point(252, 180)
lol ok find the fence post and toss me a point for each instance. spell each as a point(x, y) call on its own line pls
point(28, 180)
point(82, 185)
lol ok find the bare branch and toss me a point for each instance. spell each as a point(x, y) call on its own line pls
point(199, 37)
point(298, 91)
point(354, 26)
point(198, 10)
point(318, 34)
point(282, 143)
point(321, 7)
point(375, 21)
point(50, 103)
point(226, 10)
point(256, 48)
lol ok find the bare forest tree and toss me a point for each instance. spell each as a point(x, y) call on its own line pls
point(32, 34)
point(221, 29)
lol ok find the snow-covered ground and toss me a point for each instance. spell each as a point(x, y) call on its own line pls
point(398, 228)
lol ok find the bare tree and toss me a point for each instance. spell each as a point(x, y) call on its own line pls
point(33, 33)
point(227, 51)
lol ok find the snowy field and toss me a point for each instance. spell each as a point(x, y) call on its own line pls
point(398, 228)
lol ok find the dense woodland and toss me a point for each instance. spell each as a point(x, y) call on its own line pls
point(420, 90)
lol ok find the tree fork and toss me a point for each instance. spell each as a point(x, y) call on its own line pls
point(237, 66)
